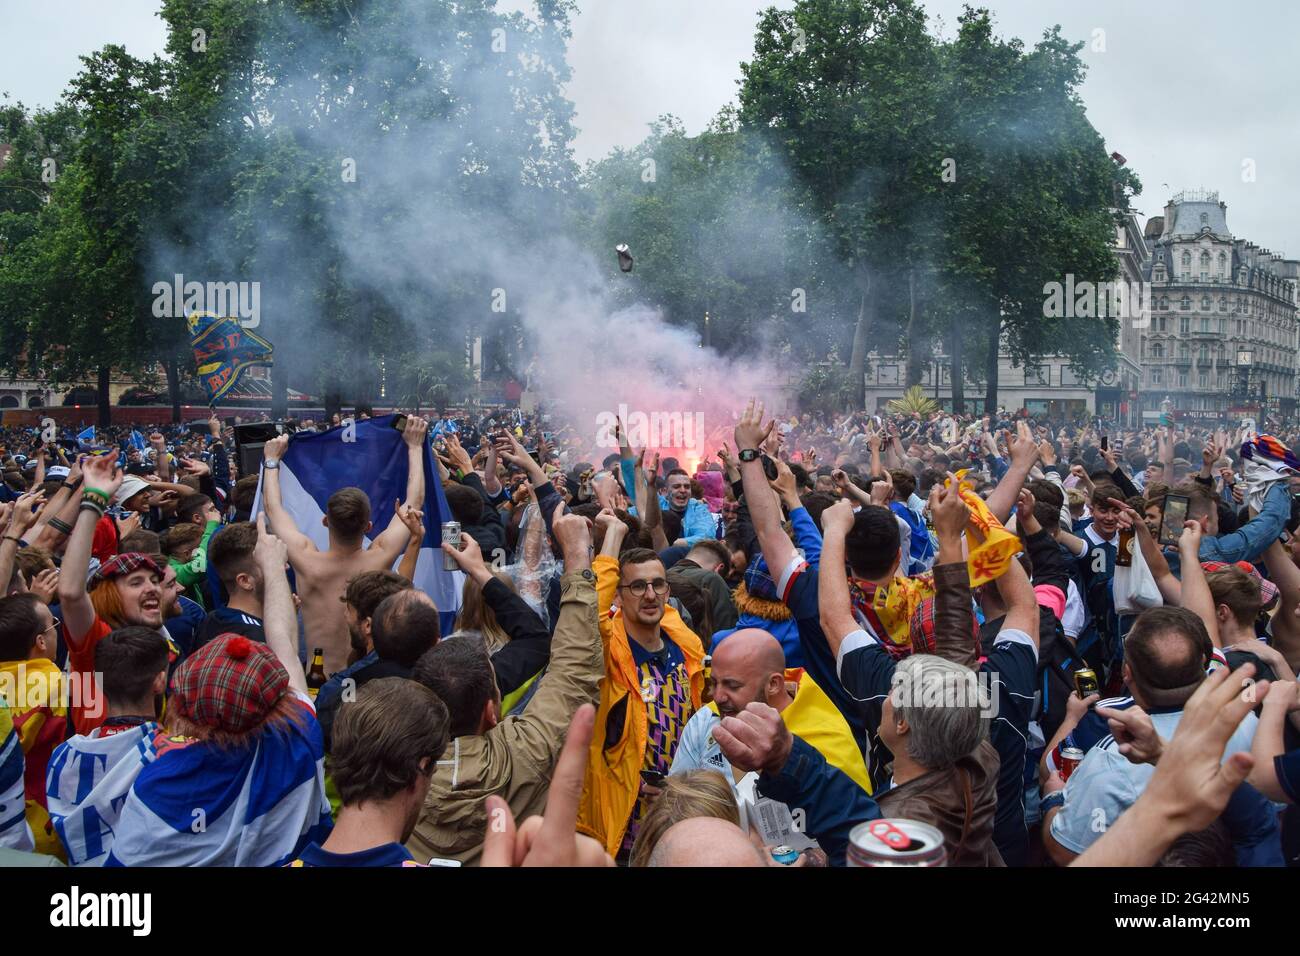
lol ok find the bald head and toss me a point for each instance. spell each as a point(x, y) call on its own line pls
point(705, 841)
point(749, 666)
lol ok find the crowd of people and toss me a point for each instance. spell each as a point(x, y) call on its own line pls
point(1001, 640)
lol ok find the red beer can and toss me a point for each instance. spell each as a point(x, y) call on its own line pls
point(1070, 757)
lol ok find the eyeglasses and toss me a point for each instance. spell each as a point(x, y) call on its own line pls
point(638, 587)
point(56, 623)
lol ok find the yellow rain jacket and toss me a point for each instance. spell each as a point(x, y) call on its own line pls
point(614, 771)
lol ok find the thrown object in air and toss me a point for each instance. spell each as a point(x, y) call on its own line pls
point(624, 256)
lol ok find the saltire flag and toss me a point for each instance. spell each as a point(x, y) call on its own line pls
point(371, 455)
point(87, 435)
point(138, 442)
point(223, 349)
point(200, 804)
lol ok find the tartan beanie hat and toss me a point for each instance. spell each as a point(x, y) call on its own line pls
point(230, 684)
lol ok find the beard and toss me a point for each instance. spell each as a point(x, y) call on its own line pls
point(357, 641)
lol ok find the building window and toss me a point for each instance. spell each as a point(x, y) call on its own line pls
point(1164, 302)
point(1205, 303)
point(1205, 324)
point(1038, 375)
point(1182, 379)
point(1155, 376)
point(1157, 350)
point(1204, 380)
point(1184, 325)
point(1186, 304)
point(1223, 265)
point(1223, 303)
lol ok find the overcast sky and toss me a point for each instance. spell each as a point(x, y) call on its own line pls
point(1187, 92)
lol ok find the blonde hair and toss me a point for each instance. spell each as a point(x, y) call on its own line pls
point(476, 615)
point(695, 793)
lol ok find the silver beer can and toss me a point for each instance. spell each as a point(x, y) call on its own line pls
point(895, 842)
point(451, 536)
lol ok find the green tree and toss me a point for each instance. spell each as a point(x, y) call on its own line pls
point(1034, 198)
point(843, 90)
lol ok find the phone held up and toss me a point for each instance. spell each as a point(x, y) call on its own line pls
point(1172, 517)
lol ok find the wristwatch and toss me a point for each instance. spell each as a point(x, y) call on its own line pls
point(271, 463)
point(748, 454)
point(1053, 801)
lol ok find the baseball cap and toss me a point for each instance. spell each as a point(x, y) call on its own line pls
point(57, 471)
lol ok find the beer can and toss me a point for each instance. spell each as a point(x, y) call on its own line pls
point(785, 855)
point(1085, 682)
point(451, 536)
point(895, 842)
point(1070, 757)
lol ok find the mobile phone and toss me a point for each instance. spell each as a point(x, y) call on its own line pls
point(653, 778)
point(769, 468)
point(1105, 444)
point(1172, 516)
point(400, 423)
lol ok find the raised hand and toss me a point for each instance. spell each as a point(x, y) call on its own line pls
point(23, 516)
point(882, 491)
point(469, 557)
point(949, 513)
point(413, 518)
point(270, 552)
point(1024, 450)
point(551, 840)
point(838, 518)
point(784, 482)
point(45, 585)
point(457, 457)
point(276, 447)
point(102, 474)
point(750, 430)
point(416, 430)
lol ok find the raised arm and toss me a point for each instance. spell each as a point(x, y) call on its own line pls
point(764, 511)
point(414, 521)
point(1022, 604)
point(279, 617)
point(952, 597)
point(281, 523)
point(834, 606)
point(1024, 453)
point(102, 479)
point(21, 518)
point(1196, 596)
point(1283, 572)
point(392, 540)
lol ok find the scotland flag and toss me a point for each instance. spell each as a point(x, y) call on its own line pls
point(370, 455)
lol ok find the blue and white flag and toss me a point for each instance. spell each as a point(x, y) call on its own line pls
point(371, 455)
point(137, 441)
point(200, 804)
point(87, 435)
point(86, 784)
point(15, 834)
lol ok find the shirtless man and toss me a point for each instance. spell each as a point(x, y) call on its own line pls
point(323, 575)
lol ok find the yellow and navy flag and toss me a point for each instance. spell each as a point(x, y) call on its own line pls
point(222, 350)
